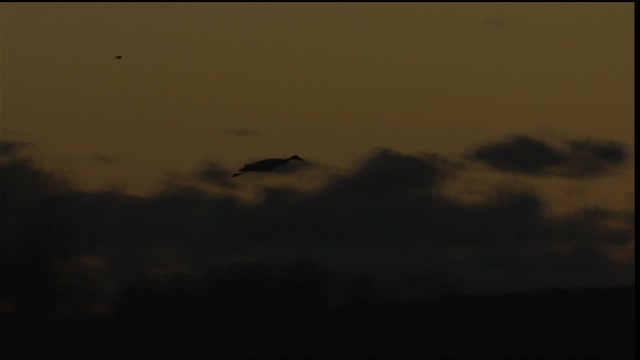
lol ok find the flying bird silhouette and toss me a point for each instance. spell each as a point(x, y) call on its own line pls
point(265, 165)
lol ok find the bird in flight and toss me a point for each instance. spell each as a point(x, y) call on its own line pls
point(265, 165)
point(118, 57)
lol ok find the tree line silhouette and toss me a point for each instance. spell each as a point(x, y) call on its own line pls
point(292, 310)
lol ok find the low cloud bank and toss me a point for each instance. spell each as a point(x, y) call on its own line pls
point(385, 221)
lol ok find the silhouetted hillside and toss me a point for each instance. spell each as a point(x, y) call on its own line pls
point(284, 311)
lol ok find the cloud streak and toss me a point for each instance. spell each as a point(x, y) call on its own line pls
point(530, 156)
point(104, 159)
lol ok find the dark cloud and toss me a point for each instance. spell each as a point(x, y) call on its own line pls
point(104, 159)
point(592, 158)
point(521, 154)
point(527, 155)
point(386, 171)
point(242, 132)
point(386, 219)
point(214, 173)
point(11, 148)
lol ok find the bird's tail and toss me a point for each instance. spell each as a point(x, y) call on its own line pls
point(237, 174)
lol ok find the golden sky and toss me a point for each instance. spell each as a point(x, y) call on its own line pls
point(233, 82)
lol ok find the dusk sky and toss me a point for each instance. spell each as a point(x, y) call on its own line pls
point(232, 83)
point(451, 122)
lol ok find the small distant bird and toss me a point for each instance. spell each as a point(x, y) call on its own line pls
point(265, 165)
point(118, 57)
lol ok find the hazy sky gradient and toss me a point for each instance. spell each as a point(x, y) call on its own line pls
point(329, 81)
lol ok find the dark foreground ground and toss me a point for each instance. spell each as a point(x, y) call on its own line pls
point(579, 323)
